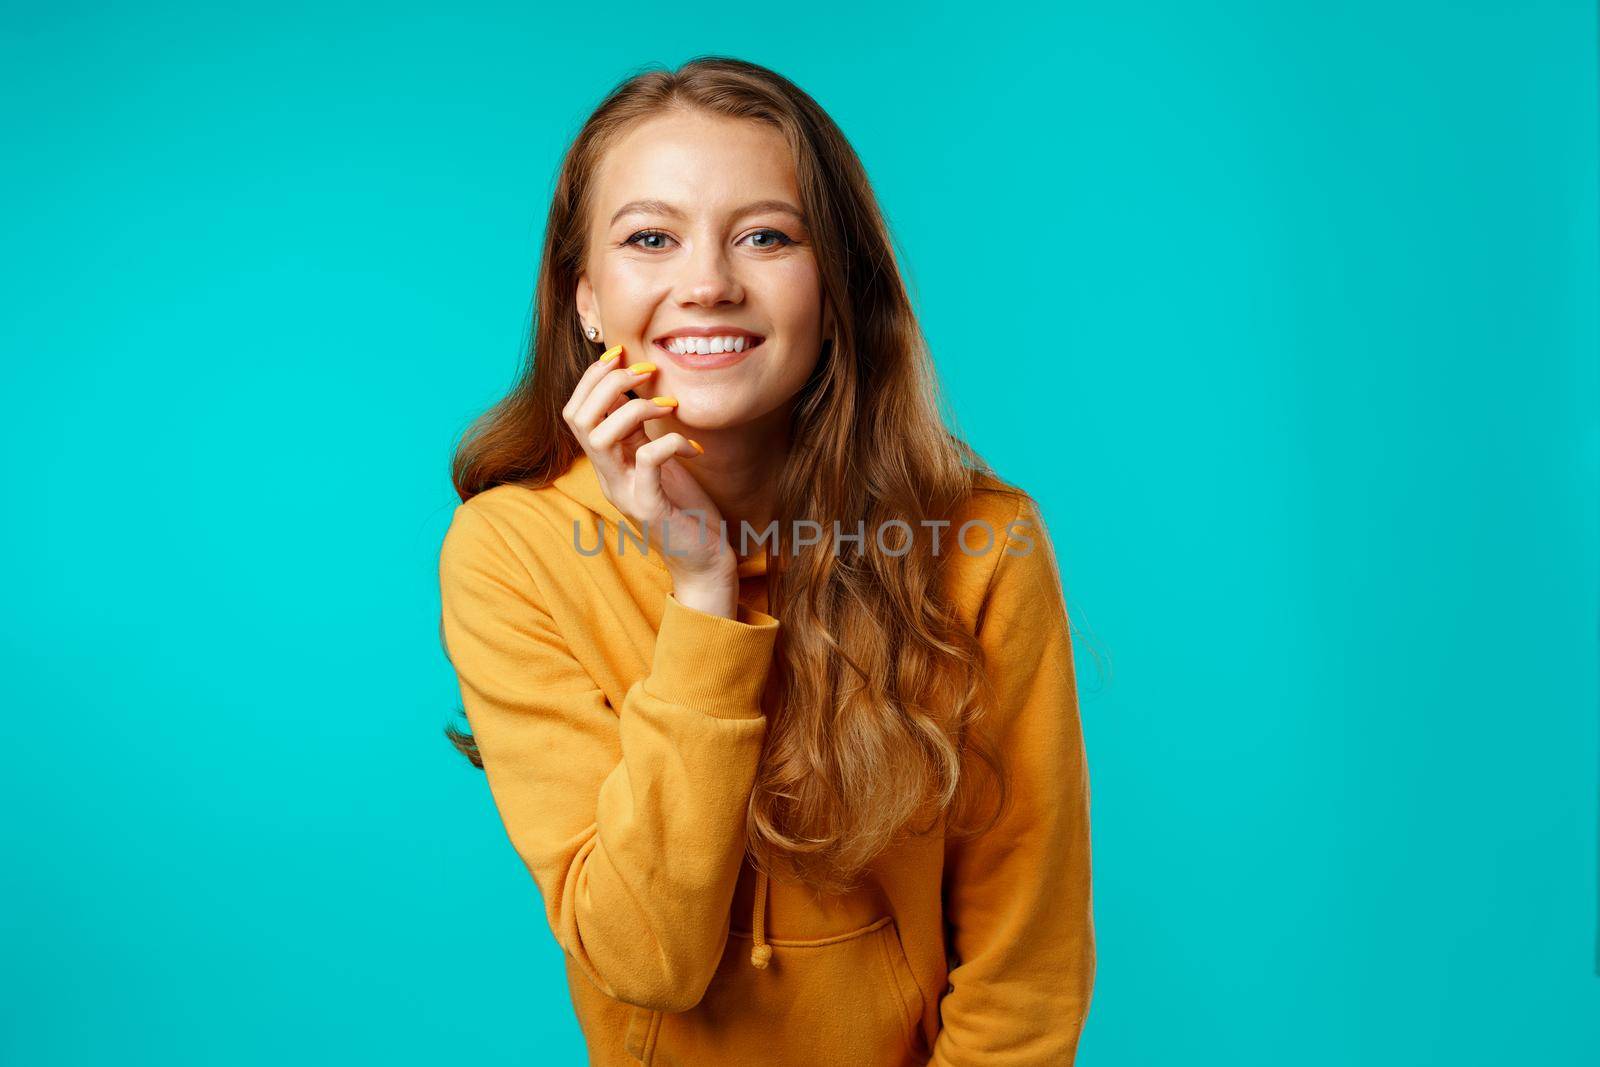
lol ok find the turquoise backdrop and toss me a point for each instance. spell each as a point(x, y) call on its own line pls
point(1288, 312)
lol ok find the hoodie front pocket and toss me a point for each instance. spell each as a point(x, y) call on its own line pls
point(849, 999)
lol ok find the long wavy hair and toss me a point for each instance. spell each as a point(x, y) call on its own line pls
point(880, 729)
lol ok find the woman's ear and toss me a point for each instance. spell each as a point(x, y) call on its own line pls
point(588, 309)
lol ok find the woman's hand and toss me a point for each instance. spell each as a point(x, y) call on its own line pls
point(645, 481)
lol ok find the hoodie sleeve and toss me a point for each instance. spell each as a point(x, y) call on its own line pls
point(631, 820)
point(1017, 899)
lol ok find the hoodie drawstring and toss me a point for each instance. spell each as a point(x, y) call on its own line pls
point(761, 953)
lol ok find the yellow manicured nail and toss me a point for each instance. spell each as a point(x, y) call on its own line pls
point(609, 354)
point(665, 401)
point(697, 448)
point(641, 368)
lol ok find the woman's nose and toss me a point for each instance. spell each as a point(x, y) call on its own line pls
point(709, 277)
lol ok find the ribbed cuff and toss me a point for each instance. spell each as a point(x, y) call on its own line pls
point(711, 663)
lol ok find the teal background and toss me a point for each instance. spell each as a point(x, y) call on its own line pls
point(1288, 313)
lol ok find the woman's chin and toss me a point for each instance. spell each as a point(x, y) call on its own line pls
point(706, 413)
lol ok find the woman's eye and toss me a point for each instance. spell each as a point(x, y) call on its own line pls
point(783, 239)
point(645, 234)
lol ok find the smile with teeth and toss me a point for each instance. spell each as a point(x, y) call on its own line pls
point(705, 346)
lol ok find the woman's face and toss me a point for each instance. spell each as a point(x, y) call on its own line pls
point(696, 224)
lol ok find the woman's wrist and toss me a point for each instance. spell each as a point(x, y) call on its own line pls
point(712, 597)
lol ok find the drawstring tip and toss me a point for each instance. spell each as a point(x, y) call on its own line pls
point(761, 952)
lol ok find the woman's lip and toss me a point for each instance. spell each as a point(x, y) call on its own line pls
point(709, 361)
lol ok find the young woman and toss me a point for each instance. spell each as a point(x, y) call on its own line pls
point(802, 800)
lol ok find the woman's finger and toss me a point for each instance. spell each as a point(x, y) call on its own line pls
point(588, 380)
point(627, 420)
point(588, 404)
point(607, 394)
point(647, 462)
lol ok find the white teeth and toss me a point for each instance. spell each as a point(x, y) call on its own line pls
point(706, 346)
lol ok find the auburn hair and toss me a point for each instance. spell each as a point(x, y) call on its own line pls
point(879, 733)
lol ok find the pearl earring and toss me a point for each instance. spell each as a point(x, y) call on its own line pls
point(594, 333)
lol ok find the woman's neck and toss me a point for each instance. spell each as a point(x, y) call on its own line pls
point(739, 472)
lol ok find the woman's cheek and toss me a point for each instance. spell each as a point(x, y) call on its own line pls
point(796, 294)
point(631, 297)
point(633, 283)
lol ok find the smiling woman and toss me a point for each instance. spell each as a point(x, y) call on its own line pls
point(708, 241)
point(818, 803)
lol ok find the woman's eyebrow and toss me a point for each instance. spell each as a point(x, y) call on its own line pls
point(661, 207)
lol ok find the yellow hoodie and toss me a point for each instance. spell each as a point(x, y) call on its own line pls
point(620, 733)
